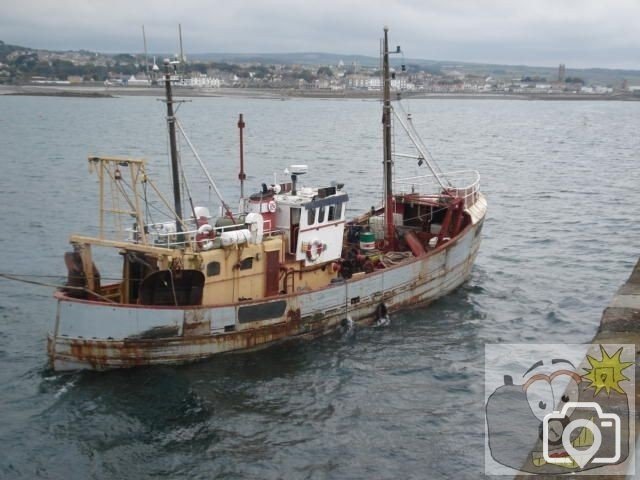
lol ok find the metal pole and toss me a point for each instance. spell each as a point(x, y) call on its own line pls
point(171, 123)
point(241, 176)
point(181, 51)
point(386, 129)
point(101, 176)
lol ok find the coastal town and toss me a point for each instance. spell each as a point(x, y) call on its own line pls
point(28, 67)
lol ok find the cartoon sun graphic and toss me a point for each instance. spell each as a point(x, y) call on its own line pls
point(606, 373)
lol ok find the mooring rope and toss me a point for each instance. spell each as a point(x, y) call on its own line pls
point(16, 278)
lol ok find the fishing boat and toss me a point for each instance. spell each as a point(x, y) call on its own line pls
point(286, 265)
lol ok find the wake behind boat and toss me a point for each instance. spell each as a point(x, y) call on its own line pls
point(287, 264)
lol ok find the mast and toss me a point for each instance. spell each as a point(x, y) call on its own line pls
point(171, 123)
point(386, 135)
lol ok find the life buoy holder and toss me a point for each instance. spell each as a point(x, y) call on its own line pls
point(314, 250)
point(205, 236)
point(271, 206)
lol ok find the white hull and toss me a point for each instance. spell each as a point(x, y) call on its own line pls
point(98, 335)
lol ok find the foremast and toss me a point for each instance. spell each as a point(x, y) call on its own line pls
point(175, 173)
point(387, 111)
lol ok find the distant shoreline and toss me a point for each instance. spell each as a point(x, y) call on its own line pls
point(61, 94)
point(82, 91)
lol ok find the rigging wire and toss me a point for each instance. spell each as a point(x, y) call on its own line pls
point(121, 187)
point(185, 184)
point(122, 181)
point(204, 169)
point(422, 149)
point(147, 209)
point(410, 124)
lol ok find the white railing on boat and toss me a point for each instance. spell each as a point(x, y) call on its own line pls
point(428, 185)
point(164, 234)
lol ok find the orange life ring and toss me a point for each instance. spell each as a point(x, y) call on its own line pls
point(205, 236)
point(314, 250)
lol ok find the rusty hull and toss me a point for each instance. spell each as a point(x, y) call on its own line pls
point(99, 336)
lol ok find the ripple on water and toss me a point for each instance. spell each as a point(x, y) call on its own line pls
point(402, 401)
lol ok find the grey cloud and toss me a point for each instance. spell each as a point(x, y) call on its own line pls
point(544, 32)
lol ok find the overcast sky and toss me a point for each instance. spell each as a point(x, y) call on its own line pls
point(579, 33)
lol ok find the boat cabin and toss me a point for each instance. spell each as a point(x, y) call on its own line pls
point(312, 220)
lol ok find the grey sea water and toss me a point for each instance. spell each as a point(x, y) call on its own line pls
point(405, 401)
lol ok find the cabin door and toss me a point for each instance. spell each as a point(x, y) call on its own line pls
point(272, 285)
point(294, 229)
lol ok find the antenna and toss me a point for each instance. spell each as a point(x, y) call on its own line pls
point(146, 57)
point(181, 51)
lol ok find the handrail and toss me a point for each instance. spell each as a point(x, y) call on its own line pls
point(452, 174)
point(167, 238)
point(469, 193)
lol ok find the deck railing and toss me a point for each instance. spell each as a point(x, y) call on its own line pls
point(164, 234)
point(465, 184)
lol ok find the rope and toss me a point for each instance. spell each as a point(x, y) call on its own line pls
point(32, 282)
point(147, 205)
point(21, 275)
point(51, 285)
point(173, 288)
point(395, 257)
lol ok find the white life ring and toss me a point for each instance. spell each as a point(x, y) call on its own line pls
point(314, 250)
point(205, 236)
point(272, 206)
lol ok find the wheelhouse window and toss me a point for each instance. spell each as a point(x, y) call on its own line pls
point(332, 213)
point(311, 216)
point(339, 211)
point(246, 264)
point(321, 214)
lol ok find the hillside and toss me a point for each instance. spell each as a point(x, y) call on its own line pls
point(600, 76)
point(21, 61)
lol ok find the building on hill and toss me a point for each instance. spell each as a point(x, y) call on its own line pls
point(561, 73)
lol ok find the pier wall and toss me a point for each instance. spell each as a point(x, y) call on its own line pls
point(620, 324)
